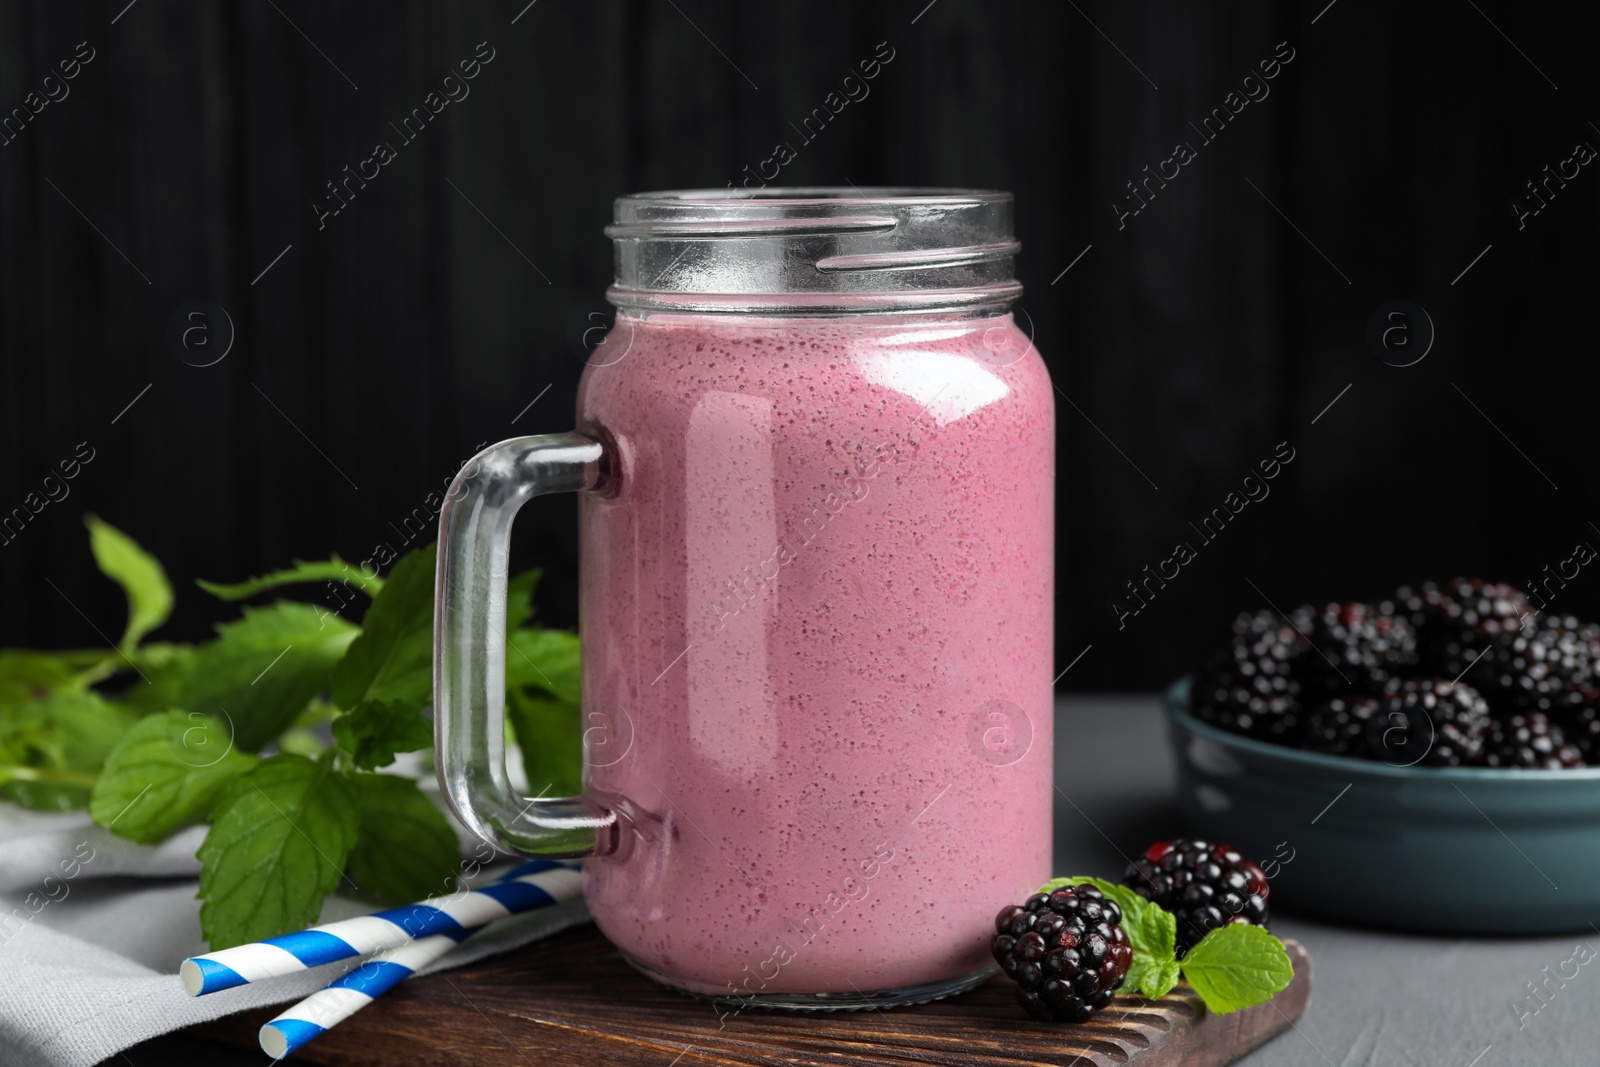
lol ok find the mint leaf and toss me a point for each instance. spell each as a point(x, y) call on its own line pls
point(406, 849)
point(550, 734)
point(1158, 979)
point(548, 659)
point(519, 599)
point(374, 731)
point(51, 749)
point(277, 846)
point(27, 676)
point(1157, 935)
point(1138, 969)
point(1237, 966)
point(263, 669)
point(167, 669)
point(122, 560)
point(543, 673)
point(392, 660)
point(332, 569)
point(166, 773)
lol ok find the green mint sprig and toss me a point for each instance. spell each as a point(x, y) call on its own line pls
point(1232, 967)
point(234, 732)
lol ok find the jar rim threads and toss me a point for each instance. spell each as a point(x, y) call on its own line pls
point(815, 250)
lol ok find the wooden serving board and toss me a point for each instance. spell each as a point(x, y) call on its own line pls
point(571, 1001)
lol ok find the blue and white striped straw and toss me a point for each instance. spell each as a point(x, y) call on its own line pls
point(350, 993)
point(535, 884)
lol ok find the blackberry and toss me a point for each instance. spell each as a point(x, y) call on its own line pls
point(1576, 711)
point(1565, 649)
point(1358, 648)
point(1532, 668)
point(1066, 951)
point(1583, 728)
point(1489, 607)
point(1433, 722)
point(1569, 648)
point(1528, 739)
point(1251, 687)
point(1426, 608)
point(1463, 622)
point(1205, 886)
point(1421, 605)
point(1339, 727)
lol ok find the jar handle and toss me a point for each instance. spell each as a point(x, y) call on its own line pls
point(469, 647)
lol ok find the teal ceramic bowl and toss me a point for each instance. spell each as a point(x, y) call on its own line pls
point(1459, 850)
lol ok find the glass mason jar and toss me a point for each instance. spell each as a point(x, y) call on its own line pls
point(817, 465)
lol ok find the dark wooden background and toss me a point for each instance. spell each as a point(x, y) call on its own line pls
point(378, 352)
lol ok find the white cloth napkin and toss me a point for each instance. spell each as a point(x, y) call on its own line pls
point(89, 964)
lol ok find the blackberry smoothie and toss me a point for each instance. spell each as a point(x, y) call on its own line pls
point(817, 626)
point(816, 459)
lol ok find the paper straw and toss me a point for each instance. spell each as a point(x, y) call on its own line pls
point(535, 884)
point(350, 993)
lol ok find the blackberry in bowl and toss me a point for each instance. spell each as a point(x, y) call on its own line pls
point(1250, 686)
point(1529, 739)
point(1338, 727)
point(1433, 722)
point(1357, 648)
point(1445, 777)
point(1458, 621)
point(1532, 667)
point(1417, 679)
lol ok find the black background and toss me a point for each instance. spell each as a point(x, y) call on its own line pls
point(378, 352)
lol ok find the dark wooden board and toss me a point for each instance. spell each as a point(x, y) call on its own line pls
point(571, 1001)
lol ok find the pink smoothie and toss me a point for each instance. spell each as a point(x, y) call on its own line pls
point(818, 640)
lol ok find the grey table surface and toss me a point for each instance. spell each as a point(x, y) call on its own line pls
point(1380, 998)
